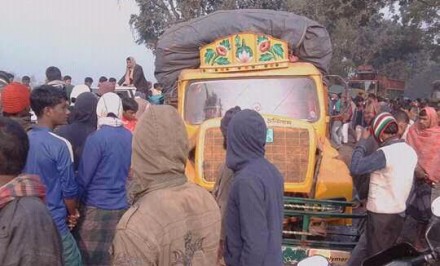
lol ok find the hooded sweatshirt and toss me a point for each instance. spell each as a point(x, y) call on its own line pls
point(83, 123)
point(171, 222)
point(254, 216)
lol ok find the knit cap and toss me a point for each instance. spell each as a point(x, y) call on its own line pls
point(381, 122)
point(15, 98)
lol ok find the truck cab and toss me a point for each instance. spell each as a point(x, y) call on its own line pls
point(291, 97)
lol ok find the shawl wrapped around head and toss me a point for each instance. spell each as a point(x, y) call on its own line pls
point(129, 72)
point(426, 143)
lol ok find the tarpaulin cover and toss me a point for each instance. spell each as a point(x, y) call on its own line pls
point(178, 48)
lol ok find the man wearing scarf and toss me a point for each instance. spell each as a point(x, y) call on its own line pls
point(28, 233)
point(172, 221)
point(134, 76)
point(102, 178)
point(391, 169)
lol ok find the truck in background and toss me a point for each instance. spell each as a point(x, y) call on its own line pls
point(369, 80)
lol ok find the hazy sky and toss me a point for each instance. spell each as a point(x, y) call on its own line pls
point(81, 37)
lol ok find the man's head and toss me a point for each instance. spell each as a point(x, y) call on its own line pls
point(14, 147)
point(160, 149)
point(88, 81)
point(6, 77)
point(130, 107)
point(156, 89)
point(112, 80)
point(102, 79)
point(50, 105)
point(26, 80)
point(246, 139)
point(225, 122)
point(16, 103)
point(131, 62)
point(67, 79)
point(53, 73)
point(402, 120)
point(370, 111)
point(384, 127)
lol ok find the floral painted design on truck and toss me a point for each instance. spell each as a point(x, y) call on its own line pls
point(269, 53)
point(219, 55)
point(244, 53)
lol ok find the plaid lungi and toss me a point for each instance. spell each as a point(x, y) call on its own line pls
point(95, 233)
point(419, 201)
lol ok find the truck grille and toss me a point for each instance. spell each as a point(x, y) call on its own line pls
point(289, 153)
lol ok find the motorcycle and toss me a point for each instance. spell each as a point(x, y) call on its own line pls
point(405, 254)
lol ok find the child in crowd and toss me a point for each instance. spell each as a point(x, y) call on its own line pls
point(156, 96)
point(130, 107)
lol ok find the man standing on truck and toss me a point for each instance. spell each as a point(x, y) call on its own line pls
point(391, 169)
point(254, 216)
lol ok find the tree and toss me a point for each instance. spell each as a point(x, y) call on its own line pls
point(400, 46)
point(157, 15)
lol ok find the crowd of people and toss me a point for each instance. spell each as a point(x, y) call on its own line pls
point(394, 165)
point(99, 179)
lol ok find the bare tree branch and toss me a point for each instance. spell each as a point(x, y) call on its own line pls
point(173, 9)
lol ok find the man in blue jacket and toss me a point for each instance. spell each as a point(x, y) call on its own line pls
point(51, 157)
point(254, 216)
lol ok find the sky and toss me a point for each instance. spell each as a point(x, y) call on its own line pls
point(81, 37)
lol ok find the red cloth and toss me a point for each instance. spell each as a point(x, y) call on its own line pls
point(129, 124)
point(426, 142)
point(15, 98)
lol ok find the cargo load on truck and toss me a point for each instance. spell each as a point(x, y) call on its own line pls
point(178, 48)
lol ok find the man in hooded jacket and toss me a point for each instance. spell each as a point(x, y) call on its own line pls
point(254, 216)
point(83, 122)
point(171, 221)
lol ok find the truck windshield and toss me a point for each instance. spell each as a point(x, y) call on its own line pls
point(293, 97)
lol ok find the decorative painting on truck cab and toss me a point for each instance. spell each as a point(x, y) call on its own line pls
point(244, 52)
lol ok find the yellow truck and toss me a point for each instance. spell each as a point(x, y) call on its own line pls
point(256, 71)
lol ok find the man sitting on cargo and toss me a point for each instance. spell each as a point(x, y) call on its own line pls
point(391, 169)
